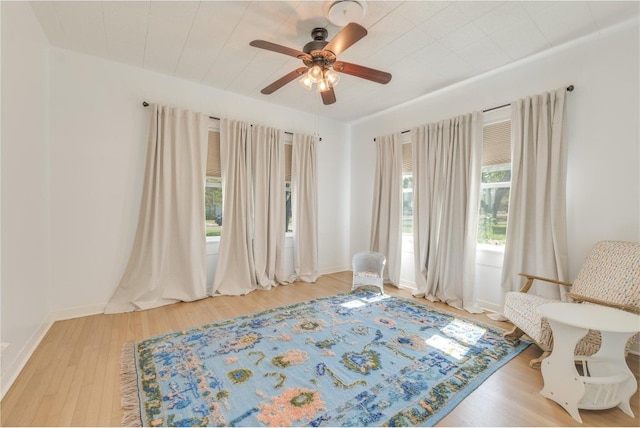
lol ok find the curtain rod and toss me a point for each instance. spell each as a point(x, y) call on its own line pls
point(570, 88)
point(146, 104)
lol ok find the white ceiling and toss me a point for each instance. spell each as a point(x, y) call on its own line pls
point(425, 45)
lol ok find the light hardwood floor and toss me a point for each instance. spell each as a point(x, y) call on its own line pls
point(72, 379)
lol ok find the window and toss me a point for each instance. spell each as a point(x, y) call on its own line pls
point(288, 152)
point(407, 204)
point(407, 188)
point(213, 206)
point(213, 186)
point(289, 211)
point(495, 184)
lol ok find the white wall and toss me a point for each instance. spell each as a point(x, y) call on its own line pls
point(73, 146)
point(603, 188)
point(72, 159)
point(98, 128)
point(25, 279)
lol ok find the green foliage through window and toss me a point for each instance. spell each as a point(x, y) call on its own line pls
point(213, 206)
point(494, 204)
point(407, 204)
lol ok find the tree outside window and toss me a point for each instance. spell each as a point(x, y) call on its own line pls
point(494, 204)
point(213, 206)
point(407, 204)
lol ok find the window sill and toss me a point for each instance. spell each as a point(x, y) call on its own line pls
point(490, 248)
point(490, 255)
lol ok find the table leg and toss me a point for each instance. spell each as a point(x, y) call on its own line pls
point(562, 382)
point(609, 360)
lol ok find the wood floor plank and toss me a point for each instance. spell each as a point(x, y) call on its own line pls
point(72, 379)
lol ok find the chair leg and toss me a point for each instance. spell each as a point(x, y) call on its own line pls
point(514, 333)
point(536, 363)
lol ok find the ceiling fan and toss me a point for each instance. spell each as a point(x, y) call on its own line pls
point(320, 59)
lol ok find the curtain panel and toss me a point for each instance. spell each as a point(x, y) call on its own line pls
point(536, 222)
point(268, 165)
point(252, 245)
point(446, 185)
point(304, 187)
point(168, 259)
point(386, 220)
point(235, 270)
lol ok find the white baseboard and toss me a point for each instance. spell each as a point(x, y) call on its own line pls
point(336, 269)
point(25, 353)
point(77, 312)
point(491, 307)
point(407, 284)
point(23, 356)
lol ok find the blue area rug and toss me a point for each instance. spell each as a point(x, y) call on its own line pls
point(348, 360)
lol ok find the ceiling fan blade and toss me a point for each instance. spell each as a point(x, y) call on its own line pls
point(284, 80)
point(362, 72)
point(350, 34)
point(328, 96)
point(262, 44)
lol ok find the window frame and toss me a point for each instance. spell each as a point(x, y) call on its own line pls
point(405, 138)
point(214, 126)
point(288, 188)
point(499, 115)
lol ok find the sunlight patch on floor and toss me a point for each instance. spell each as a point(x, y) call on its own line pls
point(358, 303)
point(448, 346)
point(465, 332)
point(460, 333)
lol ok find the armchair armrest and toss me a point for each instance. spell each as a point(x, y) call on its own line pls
point(530, 278)
point(580, 298)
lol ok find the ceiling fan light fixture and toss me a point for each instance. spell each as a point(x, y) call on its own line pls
point(306, 82)
point(315, 74)
point(332, 77)
point(324, 85)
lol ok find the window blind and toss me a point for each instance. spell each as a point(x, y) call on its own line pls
point(496, 148)
point(287, 161)
point(407, 158)
point(213, 157)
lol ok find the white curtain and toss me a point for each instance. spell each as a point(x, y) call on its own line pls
point(167, 262)
point(269, 201)
point(536, 224)
point(235, 269)
point(386, 220)
point(251, 254)
point(304, 187)
point(446, 186)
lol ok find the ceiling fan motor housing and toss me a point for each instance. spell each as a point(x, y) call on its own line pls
point(315, 48)
point(319, 36)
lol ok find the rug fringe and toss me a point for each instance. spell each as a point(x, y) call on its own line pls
point(130, 400)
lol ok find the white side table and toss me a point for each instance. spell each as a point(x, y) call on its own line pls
point(606, 380)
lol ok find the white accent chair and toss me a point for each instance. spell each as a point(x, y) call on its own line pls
point(368, 270)
point(610, 276)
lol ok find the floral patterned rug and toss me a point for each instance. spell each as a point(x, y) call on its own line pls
point(348, 360)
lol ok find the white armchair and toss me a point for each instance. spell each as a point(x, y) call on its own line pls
point(368, 269)
point(610, 276)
